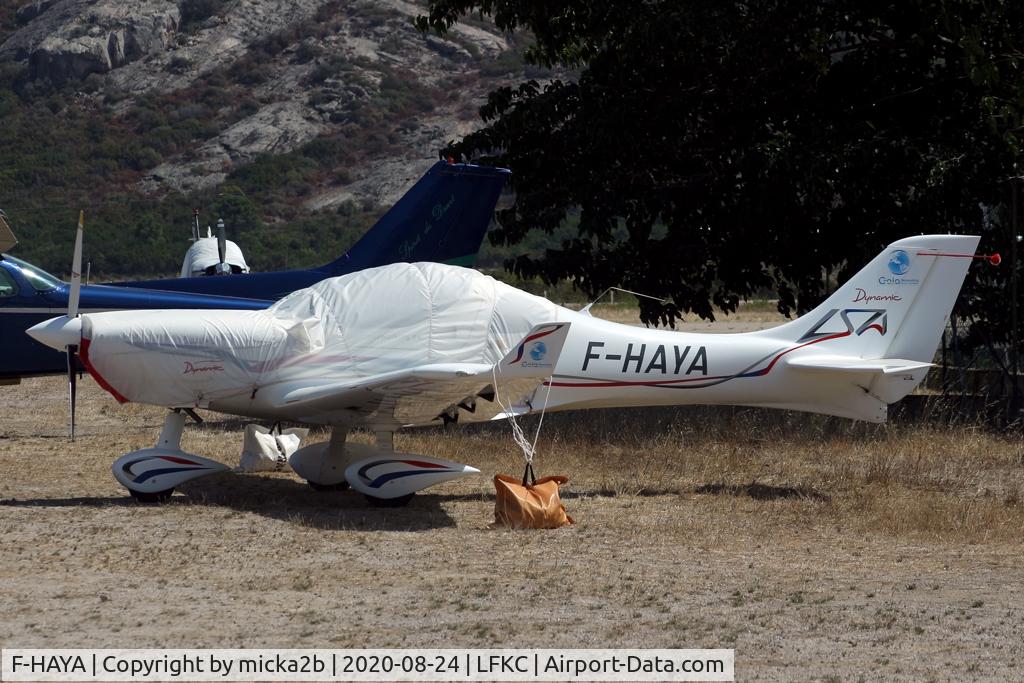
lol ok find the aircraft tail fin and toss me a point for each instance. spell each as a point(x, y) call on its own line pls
point(442, 218)
point(894, 308)
point(872, 342)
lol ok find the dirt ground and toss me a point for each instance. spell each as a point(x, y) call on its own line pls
point(818, 549)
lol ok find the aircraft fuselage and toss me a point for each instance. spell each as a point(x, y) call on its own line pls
point(29, 296)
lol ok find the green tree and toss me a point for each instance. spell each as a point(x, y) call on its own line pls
point(777, 141)
point(240, 214)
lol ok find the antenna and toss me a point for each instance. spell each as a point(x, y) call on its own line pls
point(195, 225)
point(586, 309)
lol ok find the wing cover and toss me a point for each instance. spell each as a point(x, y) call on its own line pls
point(435, 391)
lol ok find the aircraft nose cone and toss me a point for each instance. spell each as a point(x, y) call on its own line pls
point(57, 333)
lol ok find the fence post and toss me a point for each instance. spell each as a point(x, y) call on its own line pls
point(1014, 339)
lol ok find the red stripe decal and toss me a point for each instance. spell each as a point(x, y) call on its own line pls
point(420, 463)
point(994, 259)
point(651, 383)
point(530, 339)
point(659, 383)
point(83, 354)
point(179, 461)
point(813, 341)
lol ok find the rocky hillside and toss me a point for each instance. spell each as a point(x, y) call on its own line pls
point(277, 112)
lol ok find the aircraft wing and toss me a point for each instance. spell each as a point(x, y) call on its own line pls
point(441, 391)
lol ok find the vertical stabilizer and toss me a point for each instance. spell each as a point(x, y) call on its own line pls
point(872, 342)
point(895, 307)
point(442, 218)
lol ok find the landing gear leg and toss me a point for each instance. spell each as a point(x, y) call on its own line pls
point(323, 465)
point(170, 433)
point(151, 474)
point(385, 477)
point(385, 442)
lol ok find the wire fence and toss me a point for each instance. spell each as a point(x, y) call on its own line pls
point(970, 384)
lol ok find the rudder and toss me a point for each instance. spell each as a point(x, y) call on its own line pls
point(895, 307)
point(442, 218)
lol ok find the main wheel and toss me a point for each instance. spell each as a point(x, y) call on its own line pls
point(399, 502)
point(151, 496)
point(340, 486)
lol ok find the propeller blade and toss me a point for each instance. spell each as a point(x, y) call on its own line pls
point(66, 328)
point(76, 269)
point(72, 385)
point(221, 241)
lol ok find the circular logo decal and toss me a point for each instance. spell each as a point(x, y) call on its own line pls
point(538, 350)
point(899, 262)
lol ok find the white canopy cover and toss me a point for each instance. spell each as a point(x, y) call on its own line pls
point(342, 329)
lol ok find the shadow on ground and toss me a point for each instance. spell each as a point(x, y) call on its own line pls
point(762, 491)
point(281, 499)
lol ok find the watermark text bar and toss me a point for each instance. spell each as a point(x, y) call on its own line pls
point(446, 664)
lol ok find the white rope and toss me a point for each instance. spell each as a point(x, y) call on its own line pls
point(528, 448)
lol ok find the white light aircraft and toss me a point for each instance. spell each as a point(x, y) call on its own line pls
point(411, 344)
point(212, 255)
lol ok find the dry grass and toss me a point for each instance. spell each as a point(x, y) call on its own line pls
point(922, 482)
point(818, 548)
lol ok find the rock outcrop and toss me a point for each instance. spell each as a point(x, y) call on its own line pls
point(70, 39)
point(307, 68)
point(277, 128)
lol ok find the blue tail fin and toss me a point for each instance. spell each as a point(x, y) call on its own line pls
point(443, 219)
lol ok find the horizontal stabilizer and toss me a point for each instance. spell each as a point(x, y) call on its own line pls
point(884, 366)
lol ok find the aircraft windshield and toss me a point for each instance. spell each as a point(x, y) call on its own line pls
point(40, 280)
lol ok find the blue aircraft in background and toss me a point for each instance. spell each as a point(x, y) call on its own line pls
point(442, 218)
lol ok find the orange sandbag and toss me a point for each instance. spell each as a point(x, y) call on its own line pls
point(534, 506)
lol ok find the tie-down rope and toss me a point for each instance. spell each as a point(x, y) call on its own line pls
point(529, 448)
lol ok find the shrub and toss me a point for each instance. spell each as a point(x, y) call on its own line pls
point(179, 65)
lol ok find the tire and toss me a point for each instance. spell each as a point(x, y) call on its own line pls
point(340, 486)
point(399, 502)
point(151, 497)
